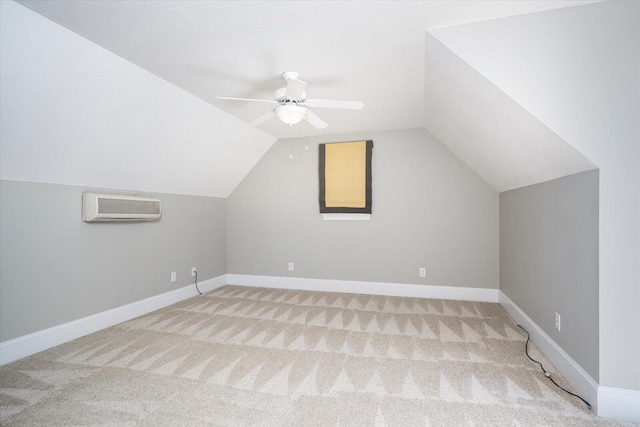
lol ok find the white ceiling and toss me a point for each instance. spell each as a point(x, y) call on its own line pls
point(489, 131)
point(351, 50)
point(587, 88)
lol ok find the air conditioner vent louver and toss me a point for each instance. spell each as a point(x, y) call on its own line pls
point(110, 207)
point(115, 206)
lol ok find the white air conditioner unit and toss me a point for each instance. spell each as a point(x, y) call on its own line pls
point(112, 207)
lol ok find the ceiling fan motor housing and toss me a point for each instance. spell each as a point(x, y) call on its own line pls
point(281, 96)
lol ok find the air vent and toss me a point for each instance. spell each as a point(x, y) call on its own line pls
point(112, 208)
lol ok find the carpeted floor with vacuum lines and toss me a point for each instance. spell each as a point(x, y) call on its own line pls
point(242, 356)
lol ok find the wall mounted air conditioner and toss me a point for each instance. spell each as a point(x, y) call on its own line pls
point(112, 207)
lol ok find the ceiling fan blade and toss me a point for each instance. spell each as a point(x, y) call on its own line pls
point(263, 118)
point(247, 99)
point(330, 103)
point(315, 121)
point(295, 88)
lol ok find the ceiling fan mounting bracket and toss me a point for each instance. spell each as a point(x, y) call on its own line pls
point(289, 75)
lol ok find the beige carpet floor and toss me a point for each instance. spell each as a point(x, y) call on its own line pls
point(243, 356)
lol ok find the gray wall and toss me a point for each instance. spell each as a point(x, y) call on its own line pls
point(429, 210)
point(56, 268)
point(549, 260)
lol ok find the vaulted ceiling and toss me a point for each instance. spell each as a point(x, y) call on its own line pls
point(381, 53)
point(368, 51)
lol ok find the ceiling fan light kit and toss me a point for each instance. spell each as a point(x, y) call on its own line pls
point(291, 113)
point(294, 105)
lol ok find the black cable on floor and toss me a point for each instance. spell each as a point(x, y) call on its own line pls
point(197, 289)
point(548, 374)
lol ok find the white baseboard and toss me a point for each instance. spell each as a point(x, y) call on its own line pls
point(619, 403)
point(608, 402)
point(580, 380)
point(42, 340)
point(373, 288)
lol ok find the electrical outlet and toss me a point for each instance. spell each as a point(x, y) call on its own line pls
point(193, 271)
point(423, 272)
point(173, 276)
point(290, 266)
point(558, 322)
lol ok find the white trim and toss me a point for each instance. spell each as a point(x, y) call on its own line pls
point(42, 340)
point(619, 403)
point(580, 380)
point(345, 217)
point(374, 288)
point(609, 402)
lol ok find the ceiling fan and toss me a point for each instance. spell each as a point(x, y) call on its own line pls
point(294, 105)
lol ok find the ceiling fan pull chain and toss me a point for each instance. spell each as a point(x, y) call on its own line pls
point(290, 141)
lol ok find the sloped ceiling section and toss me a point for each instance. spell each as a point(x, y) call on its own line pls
point(576, 69)
point(494, 135)
point(74, 113)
